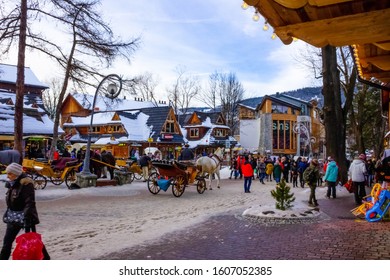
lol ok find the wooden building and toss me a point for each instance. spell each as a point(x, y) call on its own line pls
point(37, 126)
point(122, 126)
point(282, 125)
point(361, 24)
point(205, 131)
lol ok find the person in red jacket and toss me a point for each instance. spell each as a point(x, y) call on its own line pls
point(247, 172)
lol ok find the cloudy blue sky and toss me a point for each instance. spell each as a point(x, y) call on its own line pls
point(202, 37)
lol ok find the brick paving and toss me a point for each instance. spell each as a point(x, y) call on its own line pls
point(336, 235)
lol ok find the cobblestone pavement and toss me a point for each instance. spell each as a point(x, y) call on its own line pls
point(336, 235)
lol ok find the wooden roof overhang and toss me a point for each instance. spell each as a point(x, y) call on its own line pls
point(363, 24)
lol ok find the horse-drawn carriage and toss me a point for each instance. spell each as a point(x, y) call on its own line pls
point(59, 171)
point(176, 174)
point(133, 167)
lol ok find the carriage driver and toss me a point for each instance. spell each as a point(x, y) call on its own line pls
point(145, 162)
point(186, 153)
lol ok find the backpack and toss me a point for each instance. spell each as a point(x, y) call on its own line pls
point(309, 175)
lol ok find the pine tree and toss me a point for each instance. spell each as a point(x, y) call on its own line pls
point(283, 196)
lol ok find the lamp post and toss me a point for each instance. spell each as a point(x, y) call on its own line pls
point(111, 85)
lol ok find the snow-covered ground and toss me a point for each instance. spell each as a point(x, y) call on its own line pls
point(91, 222)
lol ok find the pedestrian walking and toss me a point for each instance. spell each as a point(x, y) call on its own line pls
point(261, 167)
point(302, 165)
point(294, 174)
point(247, 172)
point(311, 175)
point(357, 172)
point(253, 162)
point(370, 166)
point(285, 165)
point(322, 172)
point(277, 172)
point(331, 176)
point(233, 168)
point(240, 163)
point(20, 197)
point(269, 169)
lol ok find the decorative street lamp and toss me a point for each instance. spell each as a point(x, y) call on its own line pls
point(111, 86)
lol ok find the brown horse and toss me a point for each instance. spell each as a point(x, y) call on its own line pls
point(108, 158)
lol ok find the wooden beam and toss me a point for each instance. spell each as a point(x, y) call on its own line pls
point(296, 4)
point(383, 45)
point(382, 76)
point(381, 61)
point(341, 31)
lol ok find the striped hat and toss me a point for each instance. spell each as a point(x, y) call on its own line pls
point(14, 168)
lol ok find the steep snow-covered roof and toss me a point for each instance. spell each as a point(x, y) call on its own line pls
point(8, 75)
point(106, 104)
point(30, 100)
point(135, 123)
point(34, 122)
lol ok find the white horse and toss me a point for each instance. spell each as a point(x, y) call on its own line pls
point(211, 165)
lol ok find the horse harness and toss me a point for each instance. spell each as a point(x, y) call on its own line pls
point(218, 161)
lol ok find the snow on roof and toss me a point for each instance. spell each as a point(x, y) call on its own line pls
point(207, 139)
point(8, 75)
point(101, 118)
point(31, 125)
point(106, 140)
point(136, 127)
point(106, 104)
point(28, 100)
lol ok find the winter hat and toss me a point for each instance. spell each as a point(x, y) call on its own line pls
point(14, 168)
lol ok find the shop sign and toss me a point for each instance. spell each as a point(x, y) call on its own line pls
point(167, 136)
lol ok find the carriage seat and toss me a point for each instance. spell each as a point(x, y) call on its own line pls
point(183, 164)
point(61, 163)
point(132, 161)
point(73, 162)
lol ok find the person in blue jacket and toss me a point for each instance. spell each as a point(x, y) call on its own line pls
point(331, 176)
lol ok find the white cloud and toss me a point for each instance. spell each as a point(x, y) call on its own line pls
point(204, 37)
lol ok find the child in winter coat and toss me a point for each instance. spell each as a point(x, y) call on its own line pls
point(269, 169)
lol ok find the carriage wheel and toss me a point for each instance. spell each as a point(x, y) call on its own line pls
point(152, 183)
point(131, 177)
point(56, 181)
point(56, 178)
point(178, 186)
point(201, 185)
point(40, 182)
point(138, 176)
point(70, 177)
point(152, 169)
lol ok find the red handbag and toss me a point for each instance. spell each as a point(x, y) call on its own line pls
point(349, 186)
point(29, 246)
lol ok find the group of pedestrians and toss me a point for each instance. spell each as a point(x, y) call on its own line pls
point(21, 197)
point(293, 171)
